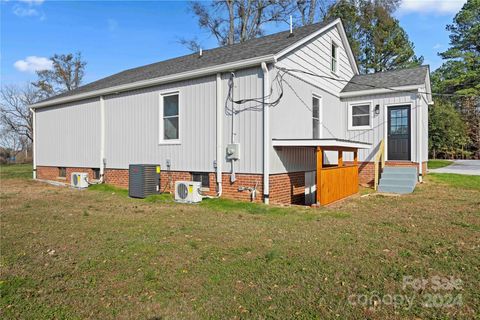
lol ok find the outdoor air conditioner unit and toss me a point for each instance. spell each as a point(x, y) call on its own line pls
point(79, 180)
point(188, 191)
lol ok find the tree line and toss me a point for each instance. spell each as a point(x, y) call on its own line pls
point(378, 41)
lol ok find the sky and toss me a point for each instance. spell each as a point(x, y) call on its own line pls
point(116, 35)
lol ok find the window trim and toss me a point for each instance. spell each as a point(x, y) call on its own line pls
point(351, 127)
point(334, 44)
point(320, 114)
point(161, 140)
point(202, 173)
point(62, 176)
point(93, 173)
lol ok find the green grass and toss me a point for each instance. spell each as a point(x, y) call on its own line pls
point(76, 254)
point(109, 189)
point(457, 180)
point(16, 171)
point(435, 164)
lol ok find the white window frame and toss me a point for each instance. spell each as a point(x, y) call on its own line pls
point(320, 114)
point(334, 44)
point(161, 139)
point(351, 127)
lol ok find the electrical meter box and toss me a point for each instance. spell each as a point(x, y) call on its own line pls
point(233, 151)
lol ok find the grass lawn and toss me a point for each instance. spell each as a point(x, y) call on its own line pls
point(435, 164)
point(98, 254)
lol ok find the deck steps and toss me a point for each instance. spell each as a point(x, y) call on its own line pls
point(400, 180)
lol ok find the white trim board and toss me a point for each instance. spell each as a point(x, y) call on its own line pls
point(412, 89)
point(320, 143)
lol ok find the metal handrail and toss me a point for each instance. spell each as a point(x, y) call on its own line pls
point(379, 161)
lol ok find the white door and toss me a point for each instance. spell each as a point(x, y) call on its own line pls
point(310, 187)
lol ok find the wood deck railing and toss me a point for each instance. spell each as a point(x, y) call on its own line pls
point(336, 182)
point(379, 163)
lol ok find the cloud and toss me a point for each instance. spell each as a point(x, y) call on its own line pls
point(432, 6)
point(25, 12)
point(32, 2)
point(33, 63)
point(437, 46)
point(112, 25)
point(26, 8)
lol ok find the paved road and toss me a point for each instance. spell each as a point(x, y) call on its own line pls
point(470, 167)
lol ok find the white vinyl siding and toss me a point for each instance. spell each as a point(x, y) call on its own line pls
point(315, 57)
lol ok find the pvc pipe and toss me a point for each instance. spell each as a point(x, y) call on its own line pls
point(266, 134)
point(219, 132)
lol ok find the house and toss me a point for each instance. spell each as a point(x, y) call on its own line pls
point(291, 107)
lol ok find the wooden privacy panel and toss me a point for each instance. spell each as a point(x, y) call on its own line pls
point(337, 183)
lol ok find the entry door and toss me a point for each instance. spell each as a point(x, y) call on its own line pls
point(310, 187)
point(399, 146)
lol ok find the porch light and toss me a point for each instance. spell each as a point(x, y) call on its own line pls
point(377, 109)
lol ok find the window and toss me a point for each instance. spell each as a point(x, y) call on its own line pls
point(316, 117)
point(334, 62)
point(170, 121)
point(359, 116)
point(62, 172)
point(202, 177)
point(96, 173)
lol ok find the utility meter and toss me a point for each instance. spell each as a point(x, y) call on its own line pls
point(233, 151)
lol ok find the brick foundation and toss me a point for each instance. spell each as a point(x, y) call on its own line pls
point(288, 188)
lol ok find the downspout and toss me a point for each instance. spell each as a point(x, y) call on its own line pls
point(102, 140)
point(419, 137)
point(34, 153)
point(266, 134)
point(219, 132)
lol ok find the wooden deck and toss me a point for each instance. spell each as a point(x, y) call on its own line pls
point(336, 182)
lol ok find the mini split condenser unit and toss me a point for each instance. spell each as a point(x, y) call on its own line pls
point(79, 180)
point(188, 191)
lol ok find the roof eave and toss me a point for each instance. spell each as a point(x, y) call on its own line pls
point(405, 89)
point(157, 81)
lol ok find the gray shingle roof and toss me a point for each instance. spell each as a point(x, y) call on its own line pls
point(267, 45)
point(394, 78)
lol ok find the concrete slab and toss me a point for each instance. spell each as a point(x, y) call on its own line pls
point(467, 167)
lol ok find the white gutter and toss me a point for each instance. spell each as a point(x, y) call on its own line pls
point(161, 80)
point(102, 139)
point(219, 133)
point(400, 89)
point(34, 152)
point(266, 134)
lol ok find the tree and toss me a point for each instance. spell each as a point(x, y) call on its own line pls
point(460, 73)
point(67, 74)
point(378, 41)
point(234, 21)
point(448, 136)
point(15, 114)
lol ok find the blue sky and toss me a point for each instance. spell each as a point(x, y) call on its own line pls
point(117, 35)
